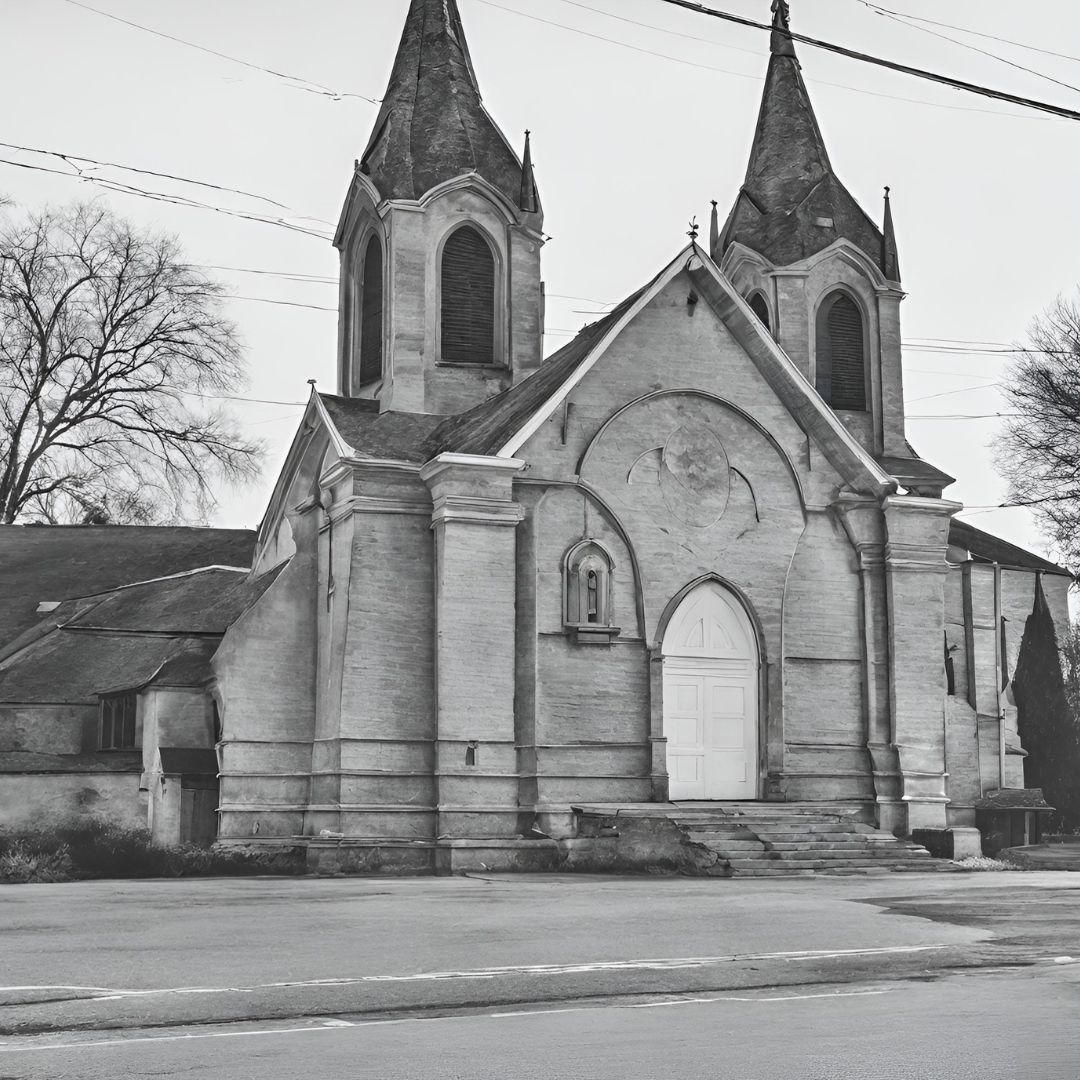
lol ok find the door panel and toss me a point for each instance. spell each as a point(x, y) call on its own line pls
point(711, 699)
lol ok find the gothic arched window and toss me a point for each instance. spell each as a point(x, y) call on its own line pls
point(587, 600)
point(760, 308)
point(468, 299)
point(371, 314)
point(841, 353)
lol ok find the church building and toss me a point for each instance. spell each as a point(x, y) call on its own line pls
point(689, 558)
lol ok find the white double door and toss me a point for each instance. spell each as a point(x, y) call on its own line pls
point(711, 677)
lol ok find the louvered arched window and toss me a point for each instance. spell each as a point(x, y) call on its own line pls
point(841, 353)
point(468, 299)
point(371, 313)
point(760, 308)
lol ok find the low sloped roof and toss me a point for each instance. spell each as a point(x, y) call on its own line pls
point(163, 632)
point(984, 547)
point(206, 601)
point(51, 563)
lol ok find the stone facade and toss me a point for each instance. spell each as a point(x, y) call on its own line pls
point(473, 597)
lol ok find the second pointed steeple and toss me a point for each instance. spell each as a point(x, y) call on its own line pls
point(792, 205)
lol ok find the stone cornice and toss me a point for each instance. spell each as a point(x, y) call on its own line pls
point(471, 510)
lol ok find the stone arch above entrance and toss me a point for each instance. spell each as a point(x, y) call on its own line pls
point(711, 698)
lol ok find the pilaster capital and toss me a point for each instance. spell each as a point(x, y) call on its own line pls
point(463, 509)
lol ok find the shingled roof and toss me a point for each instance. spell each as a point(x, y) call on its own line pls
point(433, 126)
point(162, 631)
point(792, 205)
point(56, 562)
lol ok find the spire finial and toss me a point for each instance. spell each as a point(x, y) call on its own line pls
point(714, 231)
point(890, 256)
point(693, 233)
point(529, 200)
point(782, 45)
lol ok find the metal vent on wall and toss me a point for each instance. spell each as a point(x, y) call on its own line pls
point(371, 314)
point(841, 355)
point(468, 299)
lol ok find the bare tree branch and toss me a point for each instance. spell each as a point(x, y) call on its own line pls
point(110, 345)
point(1040, 453)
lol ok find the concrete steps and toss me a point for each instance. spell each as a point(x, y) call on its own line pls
point(750, 839)
point(771, 843)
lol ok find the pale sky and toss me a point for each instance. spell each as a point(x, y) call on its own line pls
point(628, 146)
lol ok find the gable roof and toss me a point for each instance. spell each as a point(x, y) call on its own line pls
point(500, 426)
point(984, 547)
point(433, 126)
point(51, 563)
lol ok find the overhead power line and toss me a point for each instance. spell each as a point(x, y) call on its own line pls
point(726, 71)
point(891, 65)
point(295, 81)
point(978, 34)
point(904, 20)
point(77, 161)
point(157, 196)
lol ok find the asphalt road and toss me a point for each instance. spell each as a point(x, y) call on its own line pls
point(922, 975)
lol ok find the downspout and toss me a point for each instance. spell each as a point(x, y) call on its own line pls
point(999, 662)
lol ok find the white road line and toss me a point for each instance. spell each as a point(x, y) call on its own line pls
point(661, 964)
point(325, 1026)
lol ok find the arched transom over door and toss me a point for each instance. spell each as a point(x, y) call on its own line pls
point(711, 670)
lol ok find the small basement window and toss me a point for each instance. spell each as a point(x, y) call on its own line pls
point(118, 721)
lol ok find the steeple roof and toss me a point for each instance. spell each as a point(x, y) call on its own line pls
point(433, 125)
point(792, 205)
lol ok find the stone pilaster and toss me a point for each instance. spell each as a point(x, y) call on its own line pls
point(475, 521)
point(793, 329)
point(893, 437)
point(916, 541)
point(865, 525)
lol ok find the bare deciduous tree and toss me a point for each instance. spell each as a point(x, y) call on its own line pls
point(1040, 452)
point(112, 352)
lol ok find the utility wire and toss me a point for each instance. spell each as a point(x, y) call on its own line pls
point(892, 65)
point(979, 34)
point(77, 161)
point(295, 81)
point(737, 74)
point(176, 200)
point(903, 20)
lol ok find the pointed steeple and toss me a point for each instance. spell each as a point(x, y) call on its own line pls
point(890, 256)
point(433, 125)
point(529, 199)
point(714, 231)
point(792, 205)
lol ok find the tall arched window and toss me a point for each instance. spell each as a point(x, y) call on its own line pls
point(841, 353)
point(468, 299)
point(371, 313)
point(761, 309)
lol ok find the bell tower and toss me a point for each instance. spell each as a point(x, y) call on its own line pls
point(441, 299)
point(811, 263)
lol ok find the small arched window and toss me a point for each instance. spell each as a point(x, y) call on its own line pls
point(468, 299)
point(588, 593)
point(371, 314)
point(760, 308)
point(841, 354)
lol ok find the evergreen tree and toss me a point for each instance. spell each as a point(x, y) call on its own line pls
point(1047, 724)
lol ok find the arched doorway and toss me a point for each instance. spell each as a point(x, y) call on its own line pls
point(711, 673)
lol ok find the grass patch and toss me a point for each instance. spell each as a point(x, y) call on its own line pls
point(982, 862)
point(87, 850)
